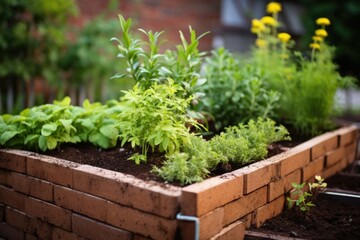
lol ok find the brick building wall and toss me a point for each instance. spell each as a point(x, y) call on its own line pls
point(163, 15)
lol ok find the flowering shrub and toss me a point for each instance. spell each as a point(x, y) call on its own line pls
point(307, 83)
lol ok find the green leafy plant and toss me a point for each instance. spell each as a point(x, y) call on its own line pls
point(98, 124)
point(302, 199)
point(234, 91)
point(47, 126)
point(147, 65)
point(247, 143)
point(42, 127)
point(240, 144)
point(155, 118)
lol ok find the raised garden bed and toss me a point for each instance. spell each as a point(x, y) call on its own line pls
point(47, 197)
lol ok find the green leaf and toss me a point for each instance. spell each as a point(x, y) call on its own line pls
point(51, 142)
point(6, 136)
point(110, 131)
point(138, 158)
point(43, 143)
point(48, 129)
point(87, 123)
point(67, 124)
point(31, 138)
point(65, 102)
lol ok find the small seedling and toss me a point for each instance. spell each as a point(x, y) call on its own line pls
point(303, 199)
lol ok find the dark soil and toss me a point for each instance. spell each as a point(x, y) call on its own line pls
point(116, 159)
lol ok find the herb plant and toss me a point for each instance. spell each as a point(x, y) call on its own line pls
point(246, 143)
point(155, 118)
point(303, 199)
point(307, 83)
point(234, 91)
point(147, 65)
point(240, 144)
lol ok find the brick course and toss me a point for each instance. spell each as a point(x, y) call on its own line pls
point(200, 198)
point(95, 230)
point(34, 187)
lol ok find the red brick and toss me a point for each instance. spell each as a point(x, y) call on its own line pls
point(210, 224)
point(331, 171)
point(348, 135)
point(313, 168)
point(140, 222)
point(28, 224)
point(33, 187)
point(258, 175)
point(60, 234)
point(201, 198)
point(268, 211)
point(48, 213)
point(14, 160)
point(51, 169)
point(128, 190)
point(5, 177)
point(8, 232)
point(234, 231)
point(12, 198)
point(247, 220)
point(350, 152)
point(94, 230)
point(335, 156)
point(278, 188)
point(241, 207)
point(294, 159)
point(322, 144)
point(344, 163)
point(81, 203)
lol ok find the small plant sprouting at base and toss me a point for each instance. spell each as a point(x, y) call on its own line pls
point(302, 199)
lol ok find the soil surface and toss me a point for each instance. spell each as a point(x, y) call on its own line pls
point(116, 159)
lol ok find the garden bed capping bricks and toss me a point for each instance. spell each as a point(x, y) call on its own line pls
point(50, 198)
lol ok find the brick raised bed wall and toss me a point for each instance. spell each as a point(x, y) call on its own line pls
point(49, 198)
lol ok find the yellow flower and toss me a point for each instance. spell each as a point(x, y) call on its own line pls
point(257, 26)
point(317, 39)
point(256, 23)
point(315, 46)
point(255, 30)
point(284, 37)
point(267, 20)
point(260, 43)
point(321, 33)
point(273, 7)
point(323, 21)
